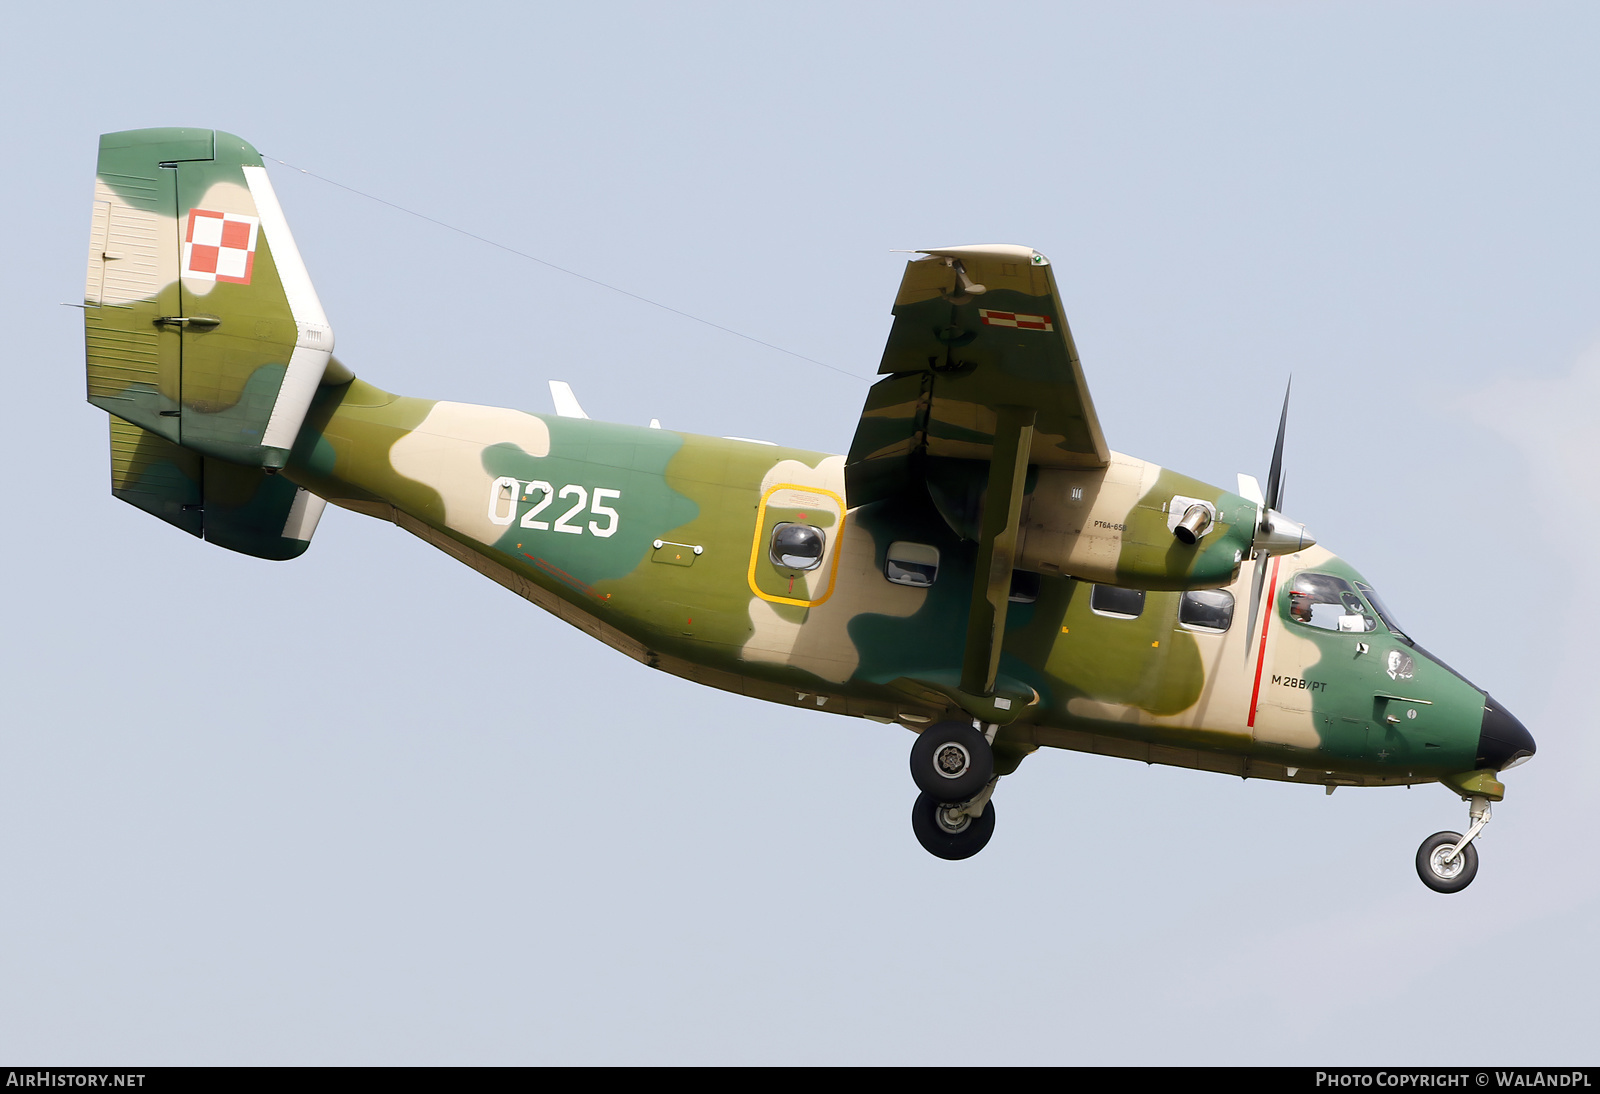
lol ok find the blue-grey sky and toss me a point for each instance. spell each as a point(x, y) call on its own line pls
point(368, 807)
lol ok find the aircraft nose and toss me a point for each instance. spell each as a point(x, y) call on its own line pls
point(1503, 741)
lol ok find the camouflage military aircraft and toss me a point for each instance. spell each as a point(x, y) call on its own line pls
point(980, 568)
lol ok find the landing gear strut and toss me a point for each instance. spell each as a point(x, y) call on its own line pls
point(1447, 861)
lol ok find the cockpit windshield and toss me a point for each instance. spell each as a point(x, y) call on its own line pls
point(1383, 612)
point(1328, 603)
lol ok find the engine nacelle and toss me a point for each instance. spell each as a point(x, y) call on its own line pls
point(1134, 524)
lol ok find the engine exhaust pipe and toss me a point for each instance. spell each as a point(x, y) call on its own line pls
point(1196, 520)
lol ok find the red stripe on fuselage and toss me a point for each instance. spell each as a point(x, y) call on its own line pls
point(1261, 654)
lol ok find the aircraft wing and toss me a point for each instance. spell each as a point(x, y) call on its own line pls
point(976, 329)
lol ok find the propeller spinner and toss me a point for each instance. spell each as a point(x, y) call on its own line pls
point(1275, 534)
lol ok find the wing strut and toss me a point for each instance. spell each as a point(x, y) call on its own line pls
point(997, 548)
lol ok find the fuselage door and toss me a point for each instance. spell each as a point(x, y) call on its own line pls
point(794, 556)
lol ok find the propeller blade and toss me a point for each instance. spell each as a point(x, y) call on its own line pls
point(1268, 505)
point(1257, 583)
point(1275, 476)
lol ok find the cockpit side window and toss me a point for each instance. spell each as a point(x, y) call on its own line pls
point(1329, 603)
point(1383, 612)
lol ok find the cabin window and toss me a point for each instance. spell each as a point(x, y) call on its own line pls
point(1206, 609)
point(1117, 601)
point(1024, 587)
point(1328, 603)
point(914, 564)
point(797, 546)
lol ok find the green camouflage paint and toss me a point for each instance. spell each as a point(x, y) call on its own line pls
point(658, 542)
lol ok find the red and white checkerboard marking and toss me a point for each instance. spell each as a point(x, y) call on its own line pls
point(220, 246)
point(1014, 319)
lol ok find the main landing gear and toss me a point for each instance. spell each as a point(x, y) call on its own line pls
point(953, 765)
point(1447, 861)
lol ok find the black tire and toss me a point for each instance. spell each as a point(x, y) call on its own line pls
point(1438, 877)
point(951, 761)
point(939, 839)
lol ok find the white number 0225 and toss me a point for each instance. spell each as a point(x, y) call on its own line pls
point(504, 492)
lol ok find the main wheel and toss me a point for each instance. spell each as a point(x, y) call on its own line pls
point(954, 840)
point(951, 761)
point(1442, 876)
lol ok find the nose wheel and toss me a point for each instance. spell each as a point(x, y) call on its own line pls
point(1447, 861)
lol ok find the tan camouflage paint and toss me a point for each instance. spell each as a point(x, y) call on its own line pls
point(656, 542)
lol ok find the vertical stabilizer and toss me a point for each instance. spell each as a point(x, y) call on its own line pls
point(201, 323)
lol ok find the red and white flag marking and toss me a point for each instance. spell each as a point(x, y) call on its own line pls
point(1014, 319)
point(220, 246)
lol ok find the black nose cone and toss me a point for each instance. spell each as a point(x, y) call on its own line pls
point(1503, 741)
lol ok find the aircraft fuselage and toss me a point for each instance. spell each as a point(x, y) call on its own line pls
point(659, 543)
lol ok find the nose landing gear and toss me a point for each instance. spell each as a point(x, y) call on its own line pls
point(1447, 861)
